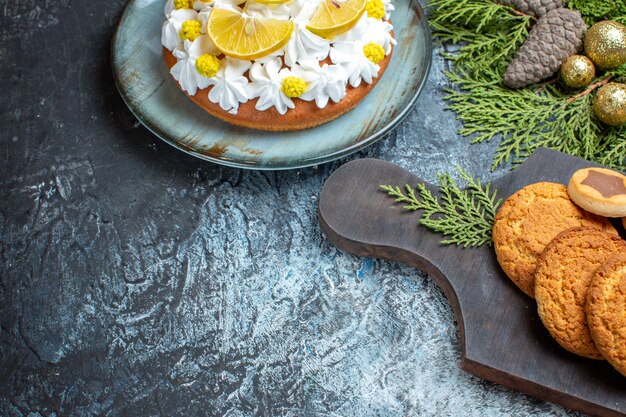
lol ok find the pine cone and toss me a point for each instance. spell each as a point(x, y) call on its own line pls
point(536, 8)
point(556, 36)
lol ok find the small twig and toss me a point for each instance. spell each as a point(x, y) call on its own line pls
point(589, 89)
point(517, 12)
point(544, 85)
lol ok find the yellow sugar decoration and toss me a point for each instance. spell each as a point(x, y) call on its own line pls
point(208, 65)
point(374, 52)
point(190, 30)
point(293, 86)
point(375, 9)
point(183, 4)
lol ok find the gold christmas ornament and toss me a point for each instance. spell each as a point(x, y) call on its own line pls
point(605, 44)
point(577, 71)
point(610, 104)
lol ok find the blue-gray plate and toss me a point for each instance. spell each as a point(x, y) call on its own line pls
point(151, 94)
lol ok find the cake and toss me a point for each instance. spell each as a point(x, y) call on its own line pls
point(277, 64)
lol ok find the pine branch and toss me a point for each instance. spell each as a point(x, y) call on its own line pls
point(614, 152)
point(594, 10)
point(465, 216)
point(489, 33)
point(487, 36)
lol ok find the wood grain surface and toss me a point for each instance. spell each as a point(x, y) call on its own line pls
point(502, 337)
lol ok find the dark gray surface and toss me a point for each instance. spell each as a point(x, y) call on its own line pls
point(136, 280)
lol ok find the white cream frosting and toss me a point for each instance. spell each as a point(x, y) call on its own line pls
point(379, 32)
point(169, 8)
point(323, 82)
point(184, 71)
point(266, 84)
point(230, 85)
point(302, 55)
point(347, 49)
point(294, 10)
point(170, 32)
point(269, 11)
point(304, 44)
point(227, 4)
point(203, 16)
point(356, 66)
point(201, 4)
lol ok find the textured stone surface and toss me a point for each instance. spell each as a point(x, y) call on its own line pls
point(135, 280)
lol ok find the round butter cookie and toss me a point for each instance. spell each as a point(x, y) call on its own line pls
point(528, 220)
point(563, 275)
point(599, 190)
point(606, 307)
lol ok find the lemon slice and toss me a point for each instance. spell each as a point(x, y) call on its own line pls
point(243, 37)
point(333, 17)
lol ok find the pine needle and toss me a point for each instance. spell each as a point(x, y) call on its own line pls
point(465, 217)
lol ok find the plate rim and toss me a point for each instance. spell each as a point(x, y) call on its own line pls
point(299, 163)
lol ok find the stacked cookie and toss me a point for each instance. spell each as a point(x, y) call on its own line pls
point(557, 245)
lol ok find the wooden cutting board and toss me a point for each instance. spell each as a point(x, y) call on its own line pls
point(502, 337)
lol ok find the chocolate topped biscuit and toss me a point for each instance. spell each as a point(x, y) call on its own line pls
point(599, 190)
